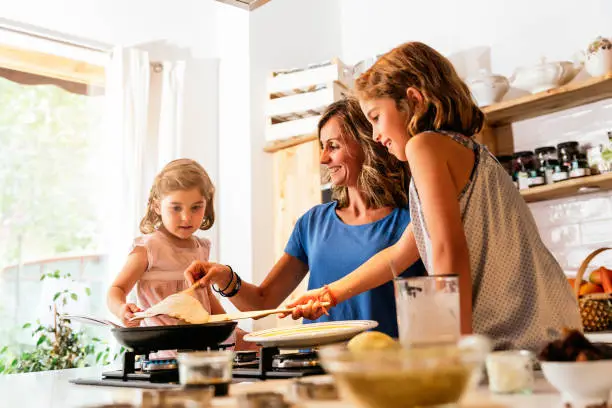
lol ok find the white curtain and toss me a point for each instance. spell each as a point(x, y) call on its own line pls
point(170, 143)
point(127, 98)
point(145, 119)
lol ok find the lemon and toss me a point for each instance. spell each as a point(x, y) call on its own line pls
point(372, 340)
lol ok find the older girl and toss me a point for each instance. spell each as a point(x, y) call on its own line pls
point(467, 216)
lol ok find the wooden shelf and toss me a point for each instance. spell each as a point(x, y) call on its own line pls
point(276, 145)
point(553, 100)
point(568, 188)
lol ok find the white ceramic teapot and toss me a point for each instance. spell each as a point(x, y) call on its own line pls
point(545, 76)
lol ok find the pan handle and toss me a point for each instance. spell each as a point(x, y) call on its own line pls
point(91, 320)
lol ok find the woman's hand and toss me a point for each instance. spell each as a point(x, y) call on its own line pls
point(208, 273)
point(309, 304)
point(126, 312)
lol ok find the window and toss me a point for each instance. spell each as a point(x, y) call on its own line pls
point(51, 128)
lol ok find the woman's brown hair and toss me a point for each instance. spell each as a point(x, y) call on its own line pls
point(447, 101)
point(383, 179)
point(180, 174)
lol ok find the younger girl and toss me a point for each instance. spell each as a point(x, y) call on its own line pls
point(467, 216)
point(180, 203)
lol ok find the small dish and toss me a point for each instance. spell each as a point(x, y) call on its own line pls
point(582, 384)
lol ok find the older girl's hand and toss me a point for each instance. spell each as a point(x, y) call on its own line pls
point(208, 273)
point(312, 304)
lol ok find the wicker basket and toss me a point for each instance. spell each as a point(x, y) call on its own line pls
point(595, 308)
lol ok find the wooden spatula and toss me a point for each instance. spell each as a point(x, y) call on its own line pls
point(255, 314)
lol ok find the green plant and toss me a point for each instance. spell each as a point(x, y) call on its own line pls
point(58, 346)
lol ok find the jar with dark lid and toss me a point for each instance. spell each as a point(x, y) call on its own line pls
point(506, 162)
point(560, 172)
point(547, 160)
point(523, 163)
point(580, 166)
point(546, 153)
point(567, 151)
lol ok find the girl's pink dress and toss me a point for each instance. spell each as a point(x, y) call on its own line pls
point(164, 276)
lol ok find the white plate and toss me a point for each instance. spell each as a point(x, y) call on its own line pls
point(313, 334)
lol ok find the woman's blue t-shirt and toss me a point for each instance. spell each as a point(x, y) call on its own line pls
point(333, 249)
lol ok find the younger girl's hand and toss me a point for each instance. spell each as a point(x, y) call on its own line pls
point(208, 273)
point(127, 312)
point(308, 305)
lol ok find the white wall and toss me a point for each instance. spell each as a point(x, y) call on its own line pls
point(283, 34)
point(234, 187)
point(187, 23)
point(502, 35)
point(508, 33)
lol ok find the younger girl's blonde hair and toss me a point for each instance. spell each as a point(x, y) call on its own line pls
point(447, 101)
point(180, 174)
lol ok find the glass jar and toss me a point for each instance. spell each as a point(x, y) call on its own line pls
point(580, 166)
point(567, 151)
point(523, 164)
point(206, 368)
point(547, 159)
point(560, 172)
point(536, 178)
point(506, 162)
point(511, 371)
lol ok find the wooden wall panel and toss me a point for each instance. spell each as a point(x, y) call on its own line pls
point(297, 188)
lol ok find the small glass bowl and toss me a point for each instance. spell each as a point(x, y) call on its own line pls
point(205, 368)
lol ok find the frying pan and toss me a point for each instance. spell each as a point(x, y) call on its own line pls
point(155, 338)
point(182, 337)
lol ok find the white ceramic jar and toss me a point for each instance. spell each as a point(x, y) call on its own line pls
point(598, 58)
point(487, 88)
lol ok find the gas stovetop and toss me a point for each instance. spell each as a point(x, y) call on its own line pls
point(269, 362)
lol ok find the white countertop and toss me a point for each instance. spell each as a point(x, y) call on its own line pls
point(52, 390)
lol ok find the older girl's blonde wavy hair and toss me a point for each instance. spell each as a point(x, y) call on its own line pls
point(180, 174)
point(447, 101)
point(383, 179)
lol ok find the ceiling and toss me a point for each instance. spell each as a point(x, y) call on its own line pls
point(245, 4)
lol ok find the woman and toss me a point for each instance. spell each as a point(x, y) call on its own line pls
point(368, 213)
point(467, 217)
